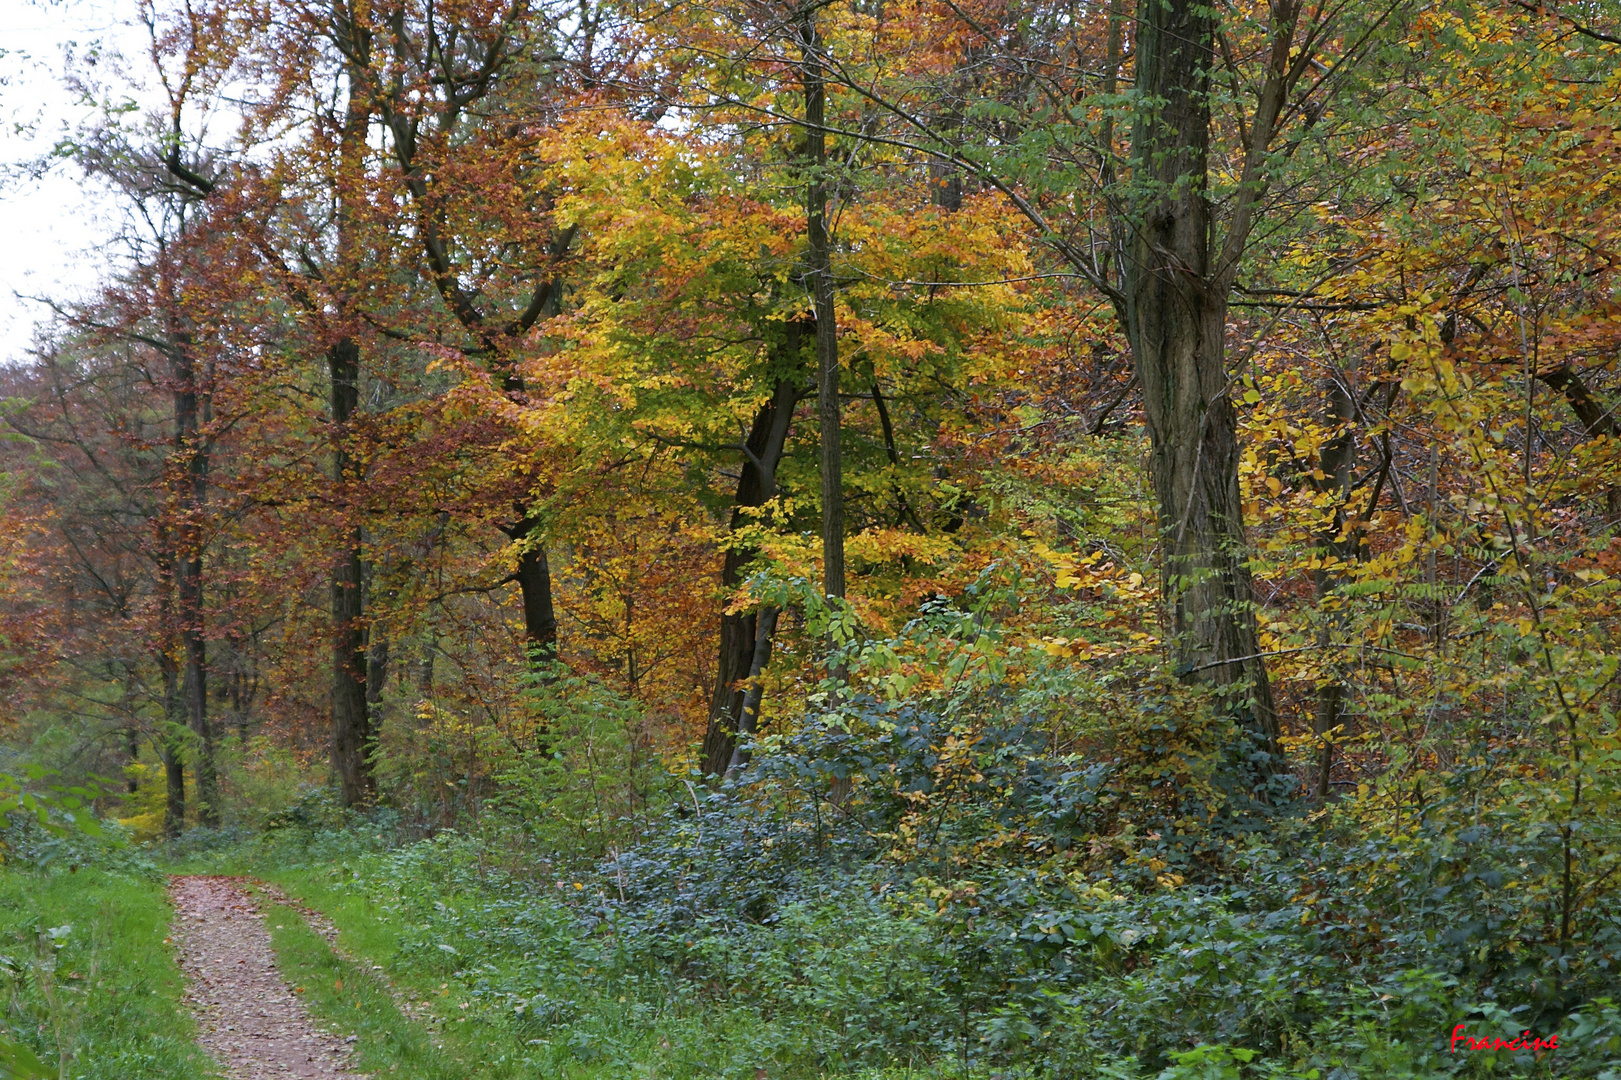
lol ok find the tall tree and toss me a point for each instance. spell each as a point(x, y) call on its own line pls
point(819, 279)
point(430, 76)
point(353, 739)
point(1160, 247)
point(1176, 286)
point(741, 661)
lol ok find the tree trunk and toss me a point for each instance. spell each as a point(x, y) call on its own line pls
point(819, 271)
point(1176, 311)
point(172, 753)
point(424, 672)
point(191, 494)
point(132, 740)
point(1334, 461)
point(376, 680)
point(535, 585)
point(903, 506)
point(352, 739)
point(351, 728)
point(749, 719)
point(756, 485)
point(174, 782)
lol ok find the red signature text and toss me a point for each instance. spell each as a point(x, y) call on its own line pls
point(1497, 1042)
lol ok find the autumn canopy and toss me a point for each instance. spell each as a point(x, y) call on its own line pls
point(1028, 459)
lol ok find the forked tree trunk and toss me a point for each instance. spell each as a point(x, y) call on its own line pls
point(1176, 311)
point(749, 719)
point(756, 485)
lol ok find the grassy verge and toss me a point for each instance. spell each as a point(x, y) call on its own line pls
point(467, 1023)
point(352, 1000)
point(89, 981)
point(448, 1036)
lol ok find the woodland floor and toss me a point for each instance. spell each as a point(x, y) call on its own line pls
point(248, 1017)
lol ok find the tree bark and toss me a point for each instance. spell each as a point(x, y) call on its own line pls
point(351, 727)
point(534, 575)
point(171, 753)
point(190, 483)
point(903, 506)
point(1176, 313)
point(819, 271)
point(376, 680)
point(132, 743)
point(756, 485)
point(749, 720)
point(1334, 461)
point(352, 736)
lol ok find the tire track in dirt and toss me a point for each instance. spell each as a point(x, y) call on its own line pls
point(248, 1018)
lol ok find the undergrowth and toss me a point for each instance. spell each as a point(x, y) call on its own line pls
point(88, 980)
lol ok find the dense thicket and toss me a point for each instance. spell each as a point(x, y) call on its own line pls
point(998, 536)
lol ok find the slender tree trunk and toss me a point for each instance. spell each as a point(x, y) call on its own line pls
point(903, 506)
point(1177, 319)
point(172, 754)
point(351, 728)
point(756, 485)
point(1334, 461)
point(352, 739)
point(424, 672)
point(191, 496)
point(819, 271)
point(240, 704)
point(749, 721)
point(132, 743)
point(376, 679)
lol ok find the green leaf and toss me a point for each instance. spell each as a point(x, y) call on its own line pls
point(17, 1062)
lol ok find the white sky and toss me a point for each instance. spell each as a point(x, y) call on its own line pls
point(56, 230)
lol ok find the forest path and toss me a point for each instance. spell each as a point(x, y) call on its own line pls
point(248, 1018)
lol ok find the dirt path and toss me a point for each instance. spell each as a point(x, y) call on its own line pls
point(248, 1018)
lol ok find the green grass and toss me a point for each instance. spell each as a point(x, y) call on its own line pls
point(613, 1028)
point(444, 1041)
point(351, 1000)
point(116, 989)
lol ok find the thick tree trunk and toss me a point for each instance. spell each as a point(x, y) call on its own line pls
point(534, 575)
point(194, 691)
point(1176, 310)
point(756, 485)
point(819, 272)
point(351, 727)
